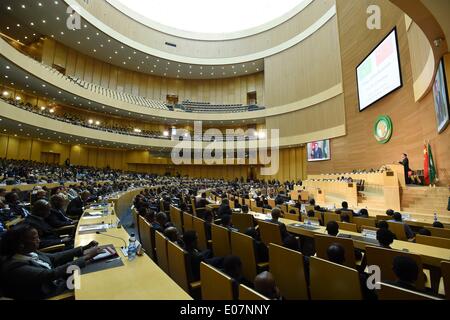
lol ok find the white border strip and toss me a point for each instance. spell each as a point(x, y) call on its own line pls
point(202, 61)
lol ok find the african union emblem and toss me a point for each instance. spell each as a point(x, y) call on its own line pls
point(383, 129)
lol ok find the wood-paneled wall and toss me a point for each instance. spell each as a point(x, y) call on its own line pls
point(310, 67)
point(292, 163)
point(413, 122)
point(219, 91)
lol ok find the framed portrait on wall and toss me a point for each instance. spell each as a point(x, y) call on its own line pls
point(318, 150)
point(440, 93)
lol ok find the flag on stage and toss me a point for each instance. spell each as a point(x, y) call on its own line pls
point(431, 167)
point(426, 168)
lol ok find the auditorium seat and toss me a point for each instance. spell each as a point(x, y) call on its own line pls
point(352, 227)
point(331, 281)
point(199, 227)
point(291, 216)
point(433, 241)
point(179, 268)
point(270, 233)
point(220, 237)
point(323, 242)
point(439, 232)
point(445, 268)
point(384, 259)
point(188, 222)
point(330, 216)
point(243, 247)
point(161, 252)
point(248, 294)
point(146, 238)
point(135, 218)
point(398, 229)
point(176, 218)
point(242, 221)
point(391, 292)
point(287, 267)
point(360, 221)
point(215, 284)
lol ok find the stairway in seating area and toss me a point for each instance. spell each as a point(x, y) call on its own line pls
point(426, 201)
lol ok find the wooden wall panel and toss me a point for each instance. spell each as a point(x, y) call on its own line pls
point(413, 122)
point(314, 66)
point(291, 165)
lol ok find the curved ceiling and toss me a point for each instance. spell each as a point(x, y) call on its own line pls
point(222, 19)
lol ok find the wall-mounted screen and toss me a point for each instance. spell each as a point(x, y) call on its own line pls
point(441, 98)
point(319, 150)
point(379, 74)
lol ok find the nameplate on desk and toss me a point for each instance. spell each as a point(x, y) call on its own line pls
point(389, 174)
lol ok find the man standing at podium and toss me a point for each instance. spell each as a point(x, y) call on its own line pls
point(405, 163)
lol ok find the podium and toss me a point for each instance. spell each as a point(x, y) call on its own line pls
point(400, 172)
point(391, 190)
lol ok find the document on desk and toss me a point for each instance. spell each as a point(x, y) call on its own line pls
point(90, 217)
point(93, 227)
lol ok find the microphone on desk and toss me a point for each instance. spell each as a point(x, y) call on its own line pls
point(107, 235)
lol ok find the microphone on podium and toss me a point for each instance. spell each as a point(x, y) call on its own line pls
point(107, 235)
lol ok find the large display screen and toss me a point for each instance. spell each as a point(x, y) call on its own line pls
point(319, 150)
point(441, 98)
point(379, 74)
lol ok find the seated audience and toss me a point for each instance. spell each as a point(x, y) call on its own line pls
point(12, 200)
point(226, 221)
point(425, 232)
point(262, 252)
point(332, 228)
point(390, 212)
point(202, 201)
point(224, 208)
point(161, 222)
point(57, 217)
point(265, 285)
point(232, 267)
point(385, 238)
point(27, 273)
point(47, 235)
point(195, 256)
point(208, 221)
point(76, 206)
point(398, 219)
point(406, 271)
point(173, 235)
point(382, 224)
point(438, 224)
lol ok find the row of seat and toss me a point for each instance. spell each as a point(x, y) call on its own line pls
point(328, 280)
point(125, 97)
point(150, 103)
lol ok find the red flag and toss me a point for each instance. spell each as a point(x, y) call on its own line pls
point(426, 167)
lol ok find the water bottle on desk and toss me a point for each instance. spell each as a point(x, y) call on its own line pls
point(132, 248)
